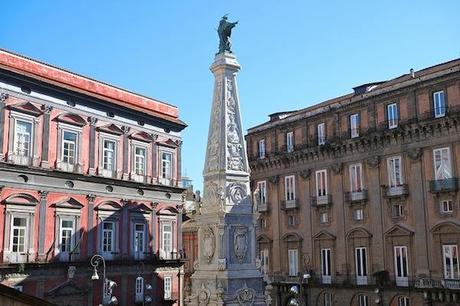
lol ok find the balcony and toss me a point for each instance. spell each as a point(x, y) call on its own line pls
point(290, 204)
point(356, 196)
point(429, 283)
point(321, 200)
point(396, 191)
point(445, 185)
point(265, 207)
point(453, 284)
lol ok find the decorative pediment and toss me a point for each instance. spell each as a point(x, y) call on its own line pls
point(72, 119)
point(140, 208)
point(68, 288)
point(21, 199)
point(324, 235)
point(111, 129)
point(68, 203)
point(141, 136)
point(264, 239)
point(446, 228)
point(292, 237)
point(170, 143)
point(398, 230)
point(168, 210)
point(26, 107)
point(358, 232)
point(109, 206)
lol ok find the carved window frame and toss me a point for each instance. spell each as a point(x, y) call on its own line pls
point(65, 166)
point(32, 158)
point(112, 173)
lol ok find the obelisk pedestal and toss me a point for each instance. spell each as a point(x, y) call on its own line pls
point(226, 271)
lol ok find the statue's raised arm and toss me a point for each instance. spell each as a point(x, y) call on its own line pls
point(225, 31)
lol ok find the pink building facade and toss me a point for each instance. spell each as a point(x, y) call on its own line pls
point(87, 168)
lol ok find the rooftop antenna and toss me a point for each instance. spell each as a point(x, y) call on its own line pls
point(412, 73)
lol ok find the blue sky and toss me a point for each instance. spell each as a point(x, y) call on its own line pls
point(293, 53)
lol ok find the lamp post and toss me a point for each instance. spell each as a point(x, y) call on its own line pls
point(298, 296)
point(379, 300)
point(107, 284)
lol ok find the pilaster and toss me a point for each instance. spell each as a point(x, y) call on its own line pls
point(90, 226)
point(42, 225)
point(46, 135)
point(92, 145)
point(3, 98)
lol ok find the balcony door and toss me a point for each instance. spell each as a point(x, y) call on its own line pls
point(361, 265)
point(326, 266)
point(18, 241)
point(401, 266)
point(451, 265)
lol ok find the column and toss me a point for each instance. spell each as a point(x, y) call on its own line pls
point(154, 227)
point(125, 230)
point(90, 226)
point(179, 162)
point(42, 225)
point(3, 97)
point(180, 208)
point(125, 130)
point(154, 158)
point(46, 135)
point(92, 145)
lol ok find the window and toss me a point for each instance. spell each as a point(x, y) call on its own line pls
point(23, 138)
point(323, 217)
point(321, 183)
point(289, 142)
point(291, 220)
point(392, 115)
point(139, 160)
point(264, 260)
point(293, 262)
point(289, 188)
point(139, 240)
point(69, 147)
point(361, 265)
point(109, 155)
point(66, 233)
point(451, 266)
point(139, 289)
point(321, 130)
point(403, 301)
point(442, 166)
point(263, 223)
point(262, 192)
point(108, 237)
point(167, 287)
point(394, 171)
point(439, 104)
point(18, 237)
point(401, 266)
point(327, 299)
point(261, 148)
point(397, 211)
point(363, 300)
point(166, 240)
point(356, 179)
point(358, 214)
point(326, 266)
point(446, 206)
point(354, 126)
point(166, 166)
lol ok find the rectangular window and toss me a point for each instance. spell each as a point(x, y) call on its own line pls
point(289, 187)
point(363, 300)
point(262, 192)
point(392, 115)
point(442, 165)
point(354, 125)
point(261, 148)
point(439, 104)
point(401, 266)
point(397, 211)
point(321, 130)
point(293, 262)
point(356, 179)
point(108, 237)
point(139, 160)
point(65, 236)
point(403, 301)
point(167, 240)
point(323, 217)
point(139, 238)
point(446, 206)
point(358, 214)
point(166, 165)
point(321, 183)
point(289, 142)
point(451, 266)
point(69, 147)
point(394, 171)
point(18, 237)
point(139, 289)
point(326, 266)
point(167, 287)
point(109, 154)
point(291, 220)
point(361, 265)
point(264, 260)
point(23, 138)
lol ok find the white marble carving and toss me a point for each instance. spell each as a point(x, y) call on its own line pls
point(246, 296)
point(240, 242)
point(209, 243)
point(236, 193)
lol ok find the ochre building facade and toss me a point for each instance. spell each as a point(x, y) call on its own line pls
point(358, 195)
point(87, 168)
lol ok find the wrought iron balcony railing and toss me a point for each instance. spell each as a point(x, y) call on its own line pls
point(290, 204)
point(356, 196)
point(445, 185)
point(321, 200)
point(396, 191)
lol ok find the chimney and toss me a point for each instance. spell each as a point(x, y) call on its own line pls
point(412, 73)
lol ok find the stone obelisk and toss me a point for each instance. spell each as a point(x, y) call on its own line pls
point(226, 272)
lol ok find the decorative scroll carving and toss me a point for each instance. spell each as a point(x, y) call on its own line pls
point(125, 129)
point(305, 174)
point(234, 147)
point(212, 162)
point(274, 179)
point(92, 120)
point(203, 296)
point(245, 296)
point(47, 108)
point(3, 96)
point(415, 154)
point(91, 197)
point(337, 168)
point(240, 242)
point(221, 264)
point(236, 193)
point(373, 161)
point(209, 243)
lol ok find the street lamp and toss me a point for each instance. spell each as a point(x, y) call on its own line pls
point(107, 284)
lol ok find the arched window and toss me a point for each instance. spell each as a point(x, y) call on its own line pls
point(403, 301)
point(139, 289)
